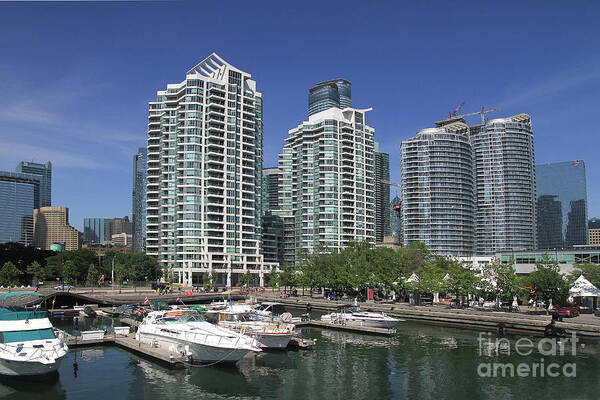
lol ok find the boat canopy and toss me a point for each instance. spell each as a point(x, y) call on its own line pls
point(13, 294)
point(10, 315)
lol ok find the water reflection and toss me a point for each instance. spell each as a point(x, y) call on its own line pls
point(420, 362)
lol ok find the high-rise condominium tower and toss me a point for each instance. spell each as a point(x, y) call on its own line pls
point(437, 189)
point(504, 167)
point(382, 194)
point(327, 179)
point(328, 94)
point(204, 174)
point(138, 206)
point(45, 173)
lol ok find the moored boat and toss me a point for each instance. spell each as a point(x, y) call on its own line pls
point(269, 334)
point(185, 331)
point(28, 343)
point(353, 315)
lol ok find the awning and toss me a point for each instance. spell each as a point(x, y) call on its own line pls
point(584, 288)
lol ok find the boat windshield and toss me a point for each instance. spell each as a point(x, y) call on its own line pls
point(179, 318)
point(25, 336)
point(353, 310)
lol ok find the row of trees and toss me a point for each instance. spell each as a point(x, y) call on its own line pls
point(25, 265)
point(359, 267)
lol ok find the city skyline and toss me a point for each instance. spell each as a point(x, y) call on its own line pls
point(63, 116)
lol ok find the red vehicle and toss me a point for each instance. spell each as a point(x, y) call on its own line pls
point(567, 310)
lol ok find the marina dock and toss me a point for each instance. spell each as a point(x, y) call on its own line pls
point(346, 327)
point(475, 319)
point(174, 359)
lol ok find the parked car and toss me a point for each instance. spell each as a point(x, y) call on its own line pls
point(64, 287)
point(567, 310)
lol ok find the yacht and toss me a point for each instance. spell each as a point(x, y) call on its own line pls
point(28, 343)
point(241, 318)
point(272, 311)
point(353, 315)
point(185, 331)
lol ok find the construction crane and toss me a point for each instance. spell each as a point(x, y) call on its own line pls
point(452, 114)
point(482, 113)
point(391, 183)
point(453, 117)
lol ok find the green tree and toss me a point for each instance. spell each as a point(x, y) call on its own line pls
point(37, 272)
point(414, 256)
point(121, 273)
point(547, 281)
point(70, 273)
point(208, 281)
point(500, 280)
point(246, 279)
point(93, 274)
point(9, 274)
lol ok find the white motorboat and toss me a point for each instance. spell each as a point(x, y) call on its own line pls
point(275, 312)
point(28, 343)
point(185, 332)
point(353, 315)
point(241, 318)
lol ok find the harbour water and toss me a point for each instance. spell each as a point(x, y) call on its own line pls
point(419, 362)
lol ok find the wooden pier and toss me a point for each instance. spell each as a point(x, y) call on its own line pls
point(174, 359)
point(347, 327)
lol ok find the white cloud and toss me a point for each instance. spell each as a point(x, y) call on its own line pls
point(13, 153)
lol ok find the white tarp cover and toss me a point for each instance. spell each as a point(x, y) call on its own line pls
point(584, 288)
point(412, 278)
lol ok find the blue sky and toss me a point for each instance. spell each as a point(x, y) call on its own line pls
point(76, 77)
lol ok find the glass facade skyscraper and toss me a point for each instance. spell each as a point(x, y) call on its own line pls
point(333, 93)
point(382, 194)
point(19, 196)
point(504, 168)
point(205, 138)
point(138, 196)
point(45, 173)
point(93, 230)
point(563, 185)
point(327, 197)
point(437, 190)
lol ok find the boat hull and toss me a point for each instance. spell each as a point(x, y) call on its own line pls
point(387, 323)
point(273, 341)
point(200, 353)
point(28, 368)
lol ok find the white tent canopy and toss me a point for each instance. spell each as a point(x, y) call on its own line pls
point(412, 278)
point(584, 288)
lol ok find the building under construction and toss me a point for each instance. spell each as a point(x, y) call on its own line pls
point(470, 189)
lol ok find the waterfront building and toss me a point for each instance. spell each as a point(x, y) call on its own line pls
point(395, 211)
point(138, 196)
point(335, 93)
point(51, 225)
point(117, 226)
point(19, 196)
point(437, 189)
point(204, 175)
point(44, 171)
point(327, 196)
point(382, 194)
point(93, 230)
point(505, 176)
point(562, 221)
point(270, 188)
